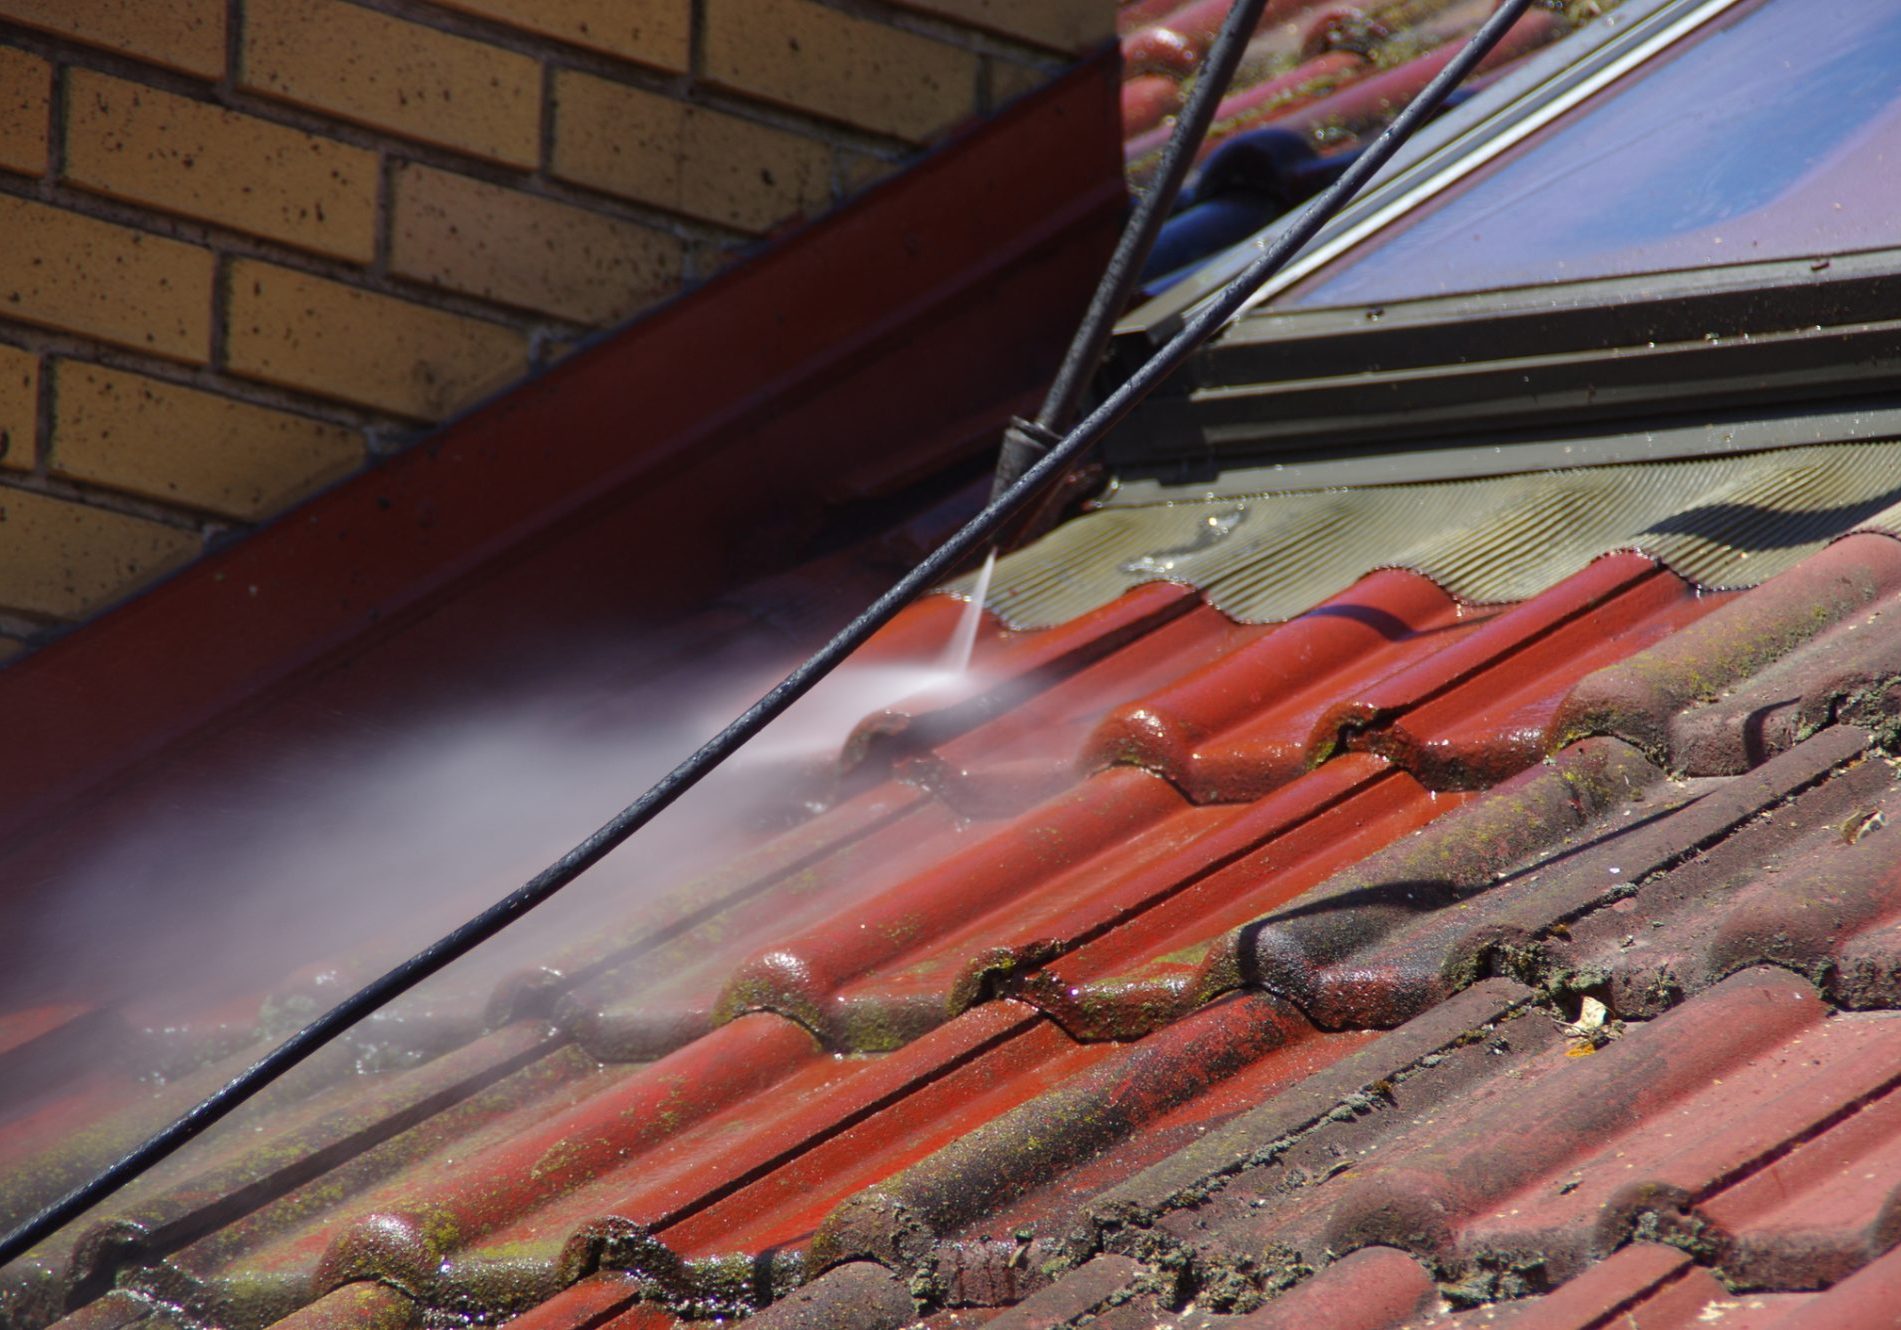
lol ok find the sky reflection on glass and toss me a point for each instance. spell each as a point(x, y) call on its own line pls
point(1774, 136)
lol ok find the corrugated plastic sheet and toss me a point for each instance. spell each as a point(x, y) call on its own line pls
point(1401, 963)
point(1722, 523)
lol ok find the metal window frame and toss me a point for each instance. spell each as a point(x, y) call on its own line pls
point(1523, 101)
point(1673, 364)
point(1693, 362)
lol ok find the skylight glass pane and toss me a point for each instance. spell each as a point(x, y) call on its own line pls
point(1775, 135)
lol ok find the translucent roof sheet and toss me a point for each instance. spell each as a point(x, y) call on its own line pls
point(1773, 134)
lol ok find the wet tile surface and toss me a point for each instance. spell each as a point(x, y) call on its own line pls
point(1402, 964)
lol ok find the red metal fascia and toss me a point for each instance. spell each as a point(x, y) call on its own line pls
point(954, 283)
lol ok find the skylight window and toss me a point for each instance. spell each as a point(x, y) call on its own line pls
point(1773, 134)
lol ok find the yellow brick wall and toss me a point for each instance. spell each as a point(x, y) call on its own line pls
point(248, 247)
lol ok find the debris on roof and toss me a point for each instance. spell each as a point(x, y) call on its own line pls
point(1176, 964)
point(1426, 905)
point(1322, 70)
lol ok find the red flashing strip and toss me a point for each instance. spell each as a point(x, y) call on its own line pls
point(868, 350)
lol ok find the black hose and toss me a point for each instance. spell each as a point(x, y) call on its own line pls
point(1151, 213)
point(1026, 440)
point(1198, 329)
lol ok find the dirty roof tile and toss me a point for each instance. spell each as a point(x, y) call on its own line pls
point(1581, 1153)
point(1324, 71)
point(1374, 1288)
point(1640, 700)
point(1403, 963)
point(991, 1168)
point(1240, 725)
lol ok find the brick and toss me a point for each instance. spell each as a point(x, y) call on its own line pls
point(26, 94)
point(652, 32)
point(557, 349)
point(1009, 81)
point(1060, 25)
point(712, 257)
point(61, 270)
point(389, 74)
point(186, 35)
point(137, 143)
point(357, 346)
point(802, 54)
point(179, 445)
point(687, 159)
point(19, 407)
point(63, 560)
point(503, 245)
point(861, 173)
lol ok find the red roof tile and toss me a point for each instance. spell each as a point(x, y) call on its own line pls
point(1326, 71)
point(1407, 963)
point(1125, 1046)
